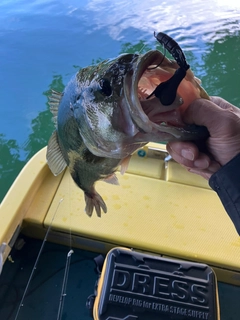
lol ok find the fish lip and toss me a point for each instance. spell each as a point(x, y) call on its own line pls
point(131, 89)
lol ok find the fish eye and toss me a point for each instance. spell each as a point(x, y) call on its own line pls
point(78, 97)
point(106, 88)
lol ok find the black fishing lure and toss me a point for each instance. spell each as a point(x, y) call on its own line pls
point(166, 91)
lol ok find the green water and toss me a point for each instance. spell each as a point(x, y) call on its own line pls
point(43, 43)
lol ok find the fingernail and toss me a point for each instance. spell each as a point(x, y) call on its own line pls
point(193, 170)
point(214, 167)
point(187, 154)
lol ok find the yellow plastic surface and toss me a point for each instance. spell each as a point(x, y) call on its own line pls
point(147, 212)
point(34, 185)
point(158, 207)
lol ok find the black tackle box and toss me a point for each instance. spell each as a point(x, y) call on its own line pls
point(139, 286)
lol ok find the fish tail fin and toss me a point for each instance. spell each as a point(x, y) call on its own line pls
point(94, 201)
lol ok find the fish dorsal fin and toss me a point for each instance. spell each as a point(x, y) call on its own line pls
point(53, 101)
point(55, 158)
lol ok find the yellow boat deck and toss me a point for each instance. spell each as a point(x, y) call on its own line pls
point(159, 207)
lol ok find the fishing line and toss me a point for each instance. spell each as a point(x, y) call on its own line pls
point(36, 262)
point(66, 272)
point(70, 220)
point(141, 50)
point(164, 55)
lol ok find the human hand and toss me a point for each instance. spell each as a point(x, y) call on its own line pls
point(222, 120)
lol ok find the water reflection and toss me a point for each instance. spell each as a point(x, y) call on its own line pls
point(42, 126)
point(181, 19)
point(14, 157)
point(10, 163)
point(140, 47)
point(222, 66)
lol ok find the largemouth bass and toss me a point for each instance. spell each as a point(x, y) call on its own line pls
point(108, 111)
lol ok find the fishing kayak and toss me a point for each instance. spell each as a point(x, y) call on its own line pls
point(158, 208)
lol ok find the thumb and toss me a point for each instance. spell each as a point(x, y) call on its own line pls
point(222, 103)
point(203, 112)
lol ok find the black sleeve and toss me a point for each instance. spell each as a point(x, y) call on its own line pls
point(226, 182)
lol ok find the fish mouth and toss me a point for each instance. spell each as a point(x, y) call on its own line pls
point(152, 118)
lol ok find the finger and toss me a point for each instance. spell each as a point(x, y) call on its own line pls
point(206, 174)
point(187, 154)
point(184, 153)
point(206, 113)
point(214, 166)
point(201, 112)
point(202, 162)
point(225, 104)
point(221, 102)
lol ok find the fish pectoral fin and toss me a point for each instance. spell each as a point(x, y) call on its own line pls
point(55, 158)
point(112, 179)
point(124, 164)
point(54, 101)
